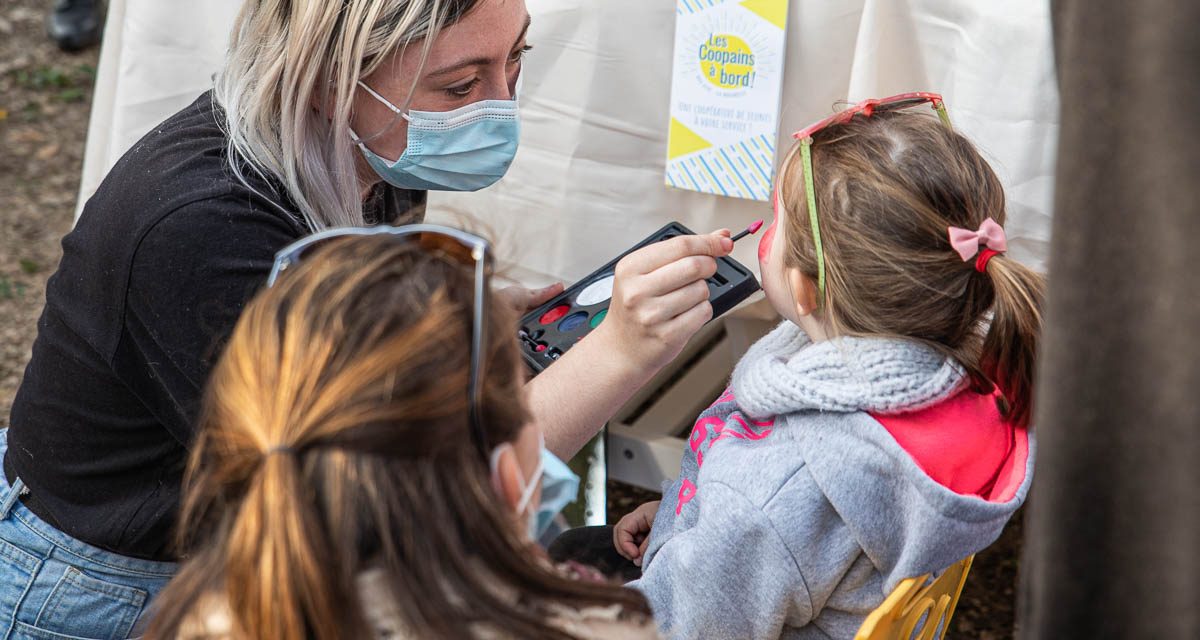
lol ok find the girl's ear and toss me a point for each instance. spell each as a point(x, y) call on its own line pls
point(804, 292)
point(506, 476)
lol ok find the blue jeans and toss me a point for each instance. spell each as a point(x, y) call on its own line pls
point(54, 587)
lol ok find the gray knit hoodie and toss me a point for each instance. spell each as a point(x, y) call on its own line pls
point(796, 512)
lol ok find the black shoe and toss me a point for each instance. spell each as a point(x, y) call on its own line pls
point(75, 24)
point(593, 546)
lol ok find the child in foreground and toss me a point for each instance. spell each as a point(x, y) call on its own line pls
point(881, 431)
point(342, 485)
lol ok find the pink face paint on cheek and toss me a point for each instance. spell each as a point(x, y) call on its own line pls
point(764, 244)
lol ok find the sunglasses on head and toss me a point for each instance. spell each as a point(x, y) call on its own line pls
point(866, 108)
point(456, 245)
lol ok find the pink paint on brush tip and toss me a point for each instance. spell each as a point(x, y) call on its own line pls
point(753, 228)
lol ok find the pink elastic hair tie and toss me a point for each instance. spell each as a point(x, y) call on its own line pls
point(966, 243)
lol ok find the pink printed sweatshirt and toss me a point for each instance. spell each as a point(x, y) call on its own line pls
point(828, 473)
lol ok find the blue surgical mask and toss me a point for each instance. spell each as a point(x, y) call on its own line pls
point(466, 149)
point(560, 487)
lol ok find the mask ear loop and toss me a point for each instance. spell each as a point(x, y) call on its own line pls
point(527, 485)
point(399, 114)
point(532, 483)
point(425, 49)
point(375, 94)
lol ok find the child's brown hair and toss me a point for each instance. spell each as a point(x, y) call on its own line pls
point(888, 187)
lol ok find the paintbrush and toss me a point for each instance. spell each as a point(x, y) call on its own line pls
point(753, 228)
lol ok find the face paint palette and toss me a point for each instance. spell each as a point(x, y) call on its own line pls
point(547, 332)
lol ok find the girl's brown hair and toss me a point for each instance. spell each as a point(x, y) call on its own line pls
point(335, 439)
point(888, 187)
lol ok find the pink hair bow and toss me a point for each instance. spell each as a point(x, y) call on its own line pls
point(967, 242)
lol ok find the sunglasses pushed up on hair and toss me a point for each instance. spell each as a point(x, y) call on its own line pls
point(458, 246)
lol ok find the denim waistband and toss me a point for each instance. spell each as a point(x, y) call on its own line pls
point(10, 498)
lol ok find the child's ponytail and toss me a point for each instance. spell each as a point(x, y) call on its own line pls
point(1010, 348)
point(265, 570)
point(278, 559)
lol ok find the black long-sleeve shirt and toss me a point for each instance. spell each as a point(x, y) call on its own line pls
point(150, 285)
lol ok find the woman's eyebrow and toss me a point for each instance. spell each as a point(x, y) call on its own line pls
point(479, 60)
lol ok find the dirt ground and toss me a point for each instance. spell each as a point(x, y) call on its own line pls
point(45, 96)
point(44, 104)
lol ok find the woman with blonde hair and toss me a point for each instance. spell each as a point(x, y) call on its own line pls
point(347, 482)
point(325, 115)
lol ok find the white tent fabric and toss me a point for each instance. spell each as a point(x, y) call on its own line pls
point(157, 56)
point(588, 181)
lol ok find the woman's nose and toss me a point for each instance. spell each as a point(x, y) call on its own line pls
point(511, 77)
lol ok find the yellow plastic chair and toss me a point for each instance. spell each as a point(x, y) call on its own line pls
point(918, 600)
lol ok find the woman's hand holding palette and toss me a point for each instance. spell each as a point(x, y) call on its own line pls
point(549, 331)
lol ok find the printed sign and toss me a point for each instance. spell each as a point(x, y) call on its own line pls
point(725, 92)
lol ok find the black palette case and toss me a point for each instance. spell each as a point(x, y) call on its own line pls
point(547, 332)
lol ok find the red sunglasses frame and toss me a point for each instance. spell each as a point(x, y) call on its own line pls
point(867, 108)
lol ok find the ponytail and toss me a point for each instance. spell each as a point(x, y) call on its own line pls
point(269, 563)
point(1010, 348)
point(277, 564)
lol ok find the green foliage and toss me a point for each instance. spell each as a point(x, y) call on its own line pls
point(67, 82)
point(71, 95)
point(42, 78)
point(10, 290)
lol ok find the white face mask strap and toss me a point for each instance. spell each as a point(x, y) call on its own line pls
point(385, 101)
point(527, 485)
point(530, 485)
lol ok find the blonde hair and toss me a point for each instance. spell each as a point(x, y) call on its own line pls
point(888, 187)
point(288, 84)
point(334, 438)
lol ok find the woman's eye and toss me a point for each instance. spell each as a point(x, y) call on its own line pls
point(519, 54)
point(463, 90)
